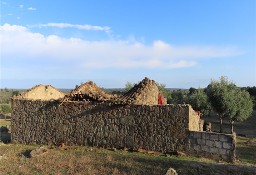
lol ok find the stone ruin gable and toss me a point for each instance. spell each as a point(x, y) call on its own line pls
point(159, 127)
point(89, 91)
point(42, 92)
point(144, 93)
point(195, 123)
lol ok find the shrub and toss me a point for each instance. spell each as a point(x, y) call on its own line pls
point(5, 108)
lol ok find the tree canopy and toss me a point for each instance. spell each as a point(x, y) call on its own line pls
point(199, 101)
point(229, 101)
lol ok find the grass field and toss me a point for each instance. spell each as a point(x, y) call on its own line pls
point(16, 159)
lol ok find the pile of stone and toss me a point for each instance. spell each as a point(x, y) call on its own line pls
point(146, 92)
point(89, 92)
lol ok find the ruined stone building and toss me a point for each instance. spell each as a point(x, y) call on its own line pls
point(89, 116)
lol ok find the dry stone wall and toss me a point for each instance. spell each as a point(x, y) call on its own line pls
point(157, 127)
point(163, 128)
point(214, 145)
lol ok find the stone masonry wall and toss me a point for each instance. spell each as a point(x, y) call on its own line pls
point(157, 127)
point(161, 128)
point(213, 145)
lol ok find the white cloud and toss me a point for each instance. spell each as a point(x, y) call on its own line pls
point(76, 26)
point(31, 8)
point(21, 6)
point(18, 42)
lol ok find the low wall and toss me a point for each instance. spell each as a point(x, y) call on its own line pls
point(159, 128)
point(213, 145)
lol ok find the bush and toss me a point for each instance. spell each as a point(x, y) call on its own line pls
point(5, 108)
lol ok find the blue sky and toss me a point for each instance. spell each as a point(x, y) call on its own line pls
point(180, 43)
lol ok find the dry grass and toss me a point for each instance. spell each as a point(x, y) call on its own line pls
point(78, 160)
point(4, 122)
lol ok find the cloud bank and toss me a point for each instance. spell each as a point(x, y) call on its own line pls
point(18, 42)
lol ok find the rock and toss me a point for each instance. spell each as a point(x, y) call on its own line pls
point(171, 171)
point(182, 154)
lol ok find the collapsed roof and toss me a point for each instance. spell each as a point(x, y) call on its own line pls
point(146, 92)
point(88, 91)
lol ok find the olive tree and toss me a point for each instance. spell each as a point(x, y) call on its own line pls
point(199, 101)
point(218, 94)
point(178, 97)
point(240, 108)
point(229, 101)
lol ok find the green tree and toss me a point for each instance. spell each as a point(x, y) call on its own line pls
point(218, 93)
point(228, 101)
point(240, 108)
point(178, 97)
point(15, 93)
point(129, 86)
point(252, 92)
point(5, 108)
point(199, 101)
point(192, 90)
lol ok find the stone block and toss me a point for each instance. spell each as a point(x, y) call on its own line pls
point(214, 150)
point(200, 141)
point(205, 148)
point(204, 136)
point(228, 152)
point(218, 144)
point(224, 138)
point(214, 137)
point(222, 151)
point(227, 145)
point(209, 143)
point(198, 135)
point(197, 147)
point(193, 141)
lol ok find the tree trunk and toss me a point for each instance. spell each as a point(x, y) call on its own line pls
point(220, 117)
point(232, 127)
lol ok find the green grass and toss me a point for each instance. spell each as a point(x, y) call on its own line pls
point(246, 150)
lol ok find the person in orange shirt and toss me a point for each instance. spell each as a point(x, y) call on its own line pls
point(160, 99)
